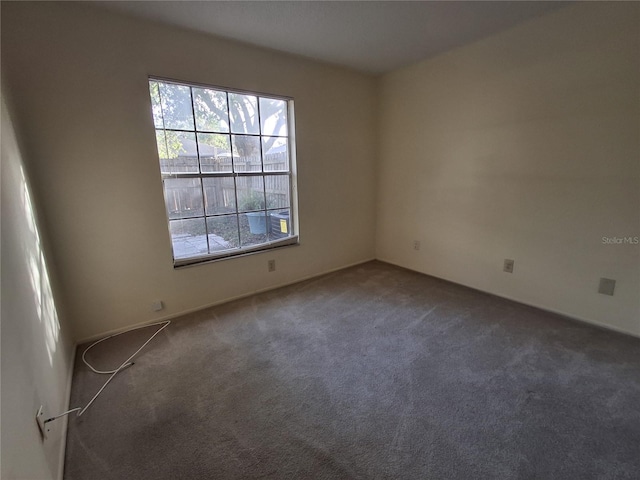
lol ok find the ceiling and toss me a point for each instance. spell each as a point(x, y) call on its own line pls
point(370, 36)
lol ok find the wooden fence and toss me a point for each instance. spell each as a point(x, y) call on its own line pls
point(184, 196)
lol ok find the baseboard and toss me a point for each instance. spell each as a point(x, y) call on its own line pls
point(219, 302)
point(593, 323)
point(65, 419)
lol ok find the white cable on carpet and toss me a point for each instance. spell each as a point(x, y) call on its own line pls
point(125, 364)
point(106, 372)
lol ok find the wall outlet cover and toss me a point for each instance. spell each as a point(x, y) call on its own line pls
point(508, 265)
point(157, 305)
point(607, 286)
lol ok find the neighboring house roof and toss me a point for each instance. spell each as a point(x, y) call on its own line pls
point(189, 149)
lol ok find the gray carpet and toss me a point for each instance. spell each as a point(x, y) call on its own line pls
point(373, 372)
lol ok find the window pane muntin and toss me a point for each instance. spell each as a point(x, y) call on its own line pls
point(280, 223)
point(250, 192)
point(215, 152)
point(177, 152)
point(183, 197)
point(211, 110)
point(278, 191)
point(188, 237)
point(273, 117)
point(275, 154)
point(253, 228)
point(156, 107)
point(163, 156)
point(243, 112)
point(223, 233)
point(248, 245)
point(246, 153)
point(177, 110)
point(220, 195)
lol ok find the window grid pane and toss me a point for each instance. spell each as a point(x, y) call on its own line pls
point(223, 233)
point(225, 146)
point(243, 113)
point(211, 111)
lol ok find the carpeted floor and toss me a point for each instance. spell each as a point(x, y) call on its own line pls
point(373, 372)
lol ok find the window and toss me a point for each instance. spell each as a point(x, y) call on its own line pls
point(226, 164)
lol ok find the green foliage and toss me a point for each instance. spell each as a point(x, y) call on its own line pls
point(251, 200)
point(218, 141)
point(172, 108)
point(169, 144)
point(210, 109)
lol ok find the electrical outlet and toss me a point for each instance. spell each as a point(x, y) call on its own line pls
point(157, 305)
point(508, 265)
point(607, 286)
point(271, 265)
point(40, 418)
point(416, 244)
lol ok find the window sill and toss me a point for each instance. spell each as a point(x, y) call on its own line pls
point(265, 247)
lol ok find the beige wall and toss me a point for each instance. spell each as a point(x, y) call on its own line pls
point(81, 76)
point(525, 145)
point(36, 348)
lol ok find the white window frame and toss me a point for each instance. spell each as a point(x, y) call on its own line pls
point(293, 238)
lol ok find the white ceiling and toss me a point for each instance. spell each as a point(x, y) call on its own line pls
point(370, 36)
